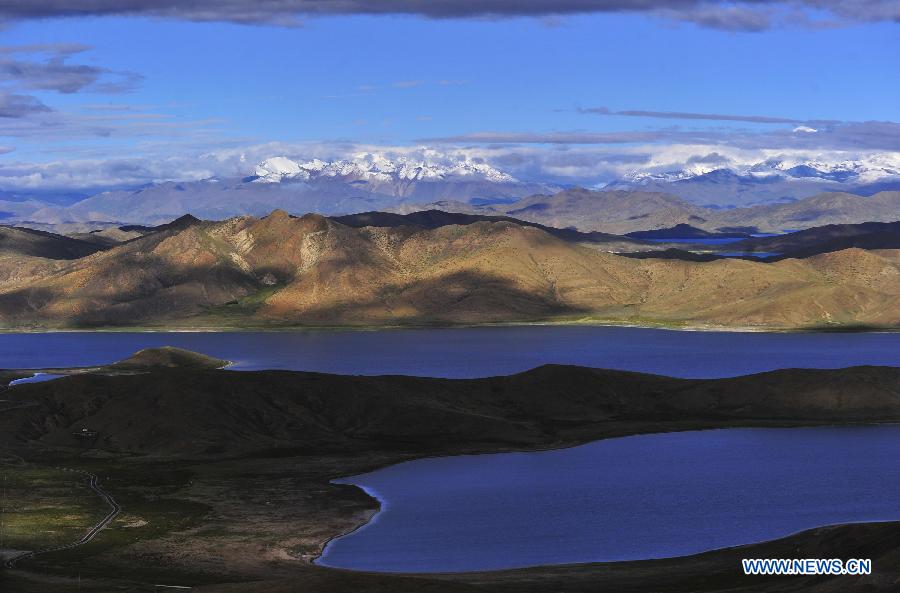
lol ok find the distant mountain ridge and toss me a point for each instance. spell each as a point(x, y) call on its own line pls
point(621, 212)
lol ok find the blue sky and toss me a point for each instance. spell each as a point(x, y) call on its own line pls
point(168, 94)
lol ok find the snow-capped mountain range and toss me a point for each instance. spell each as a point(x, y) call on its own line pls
point(362, 182)
point(385, 181)
point(375, 167)
point(876, 168)
point(770, 181)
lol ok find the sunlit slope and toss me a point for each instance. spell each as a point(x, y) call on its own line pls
point(314, 271)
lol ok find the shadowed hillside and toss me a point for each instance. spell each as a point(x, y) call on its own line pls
point(234, 413)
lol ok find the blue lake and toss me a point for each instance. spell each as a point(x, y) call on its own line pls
point(474, 352)
point(640, 497)
point(35, 378)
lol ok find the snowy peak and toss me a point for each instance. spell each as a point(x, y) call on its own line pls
point(377, 168)
point(646, 177)
point(277, 168)
point(868, 170)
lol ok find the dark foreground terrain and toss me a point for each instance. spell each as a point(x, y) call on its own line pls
point(223, 477)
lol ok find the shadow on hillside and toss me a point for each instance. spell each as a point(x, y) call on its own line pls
point(170, 294)
point(24, 301)
point(460, 297)
point(128, 292)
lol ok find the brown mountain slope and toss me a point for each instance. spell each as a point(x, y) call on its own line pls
point(844, 287)
point(313, 271)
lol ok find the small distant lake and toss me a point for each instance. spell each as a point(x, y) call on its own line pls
point(640, 497)
point(473, 352)
point(35, 378)
point(702, 241)
point(759, 254)
point(713, 240)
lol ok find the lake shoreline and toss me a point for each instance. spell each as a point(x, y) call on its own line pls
point(299, 328)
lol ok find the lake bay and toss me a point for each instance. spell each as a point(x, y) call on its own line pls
point(631, 498)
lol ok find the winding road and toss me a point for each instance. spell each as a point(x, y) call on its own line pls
point(115, 509)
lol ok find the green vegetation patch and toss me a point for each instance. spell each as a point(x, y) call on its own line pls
point(50, 507)
point(45, 507)
point(245, 306)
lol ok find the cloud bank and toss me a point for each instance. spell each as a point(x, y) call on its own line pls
point(747, 15)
